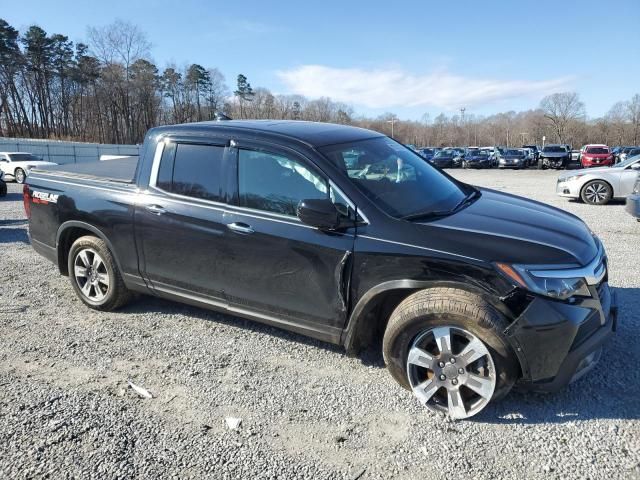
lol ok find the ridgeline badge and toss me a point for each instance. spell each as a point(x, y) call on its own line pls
point(44, 198)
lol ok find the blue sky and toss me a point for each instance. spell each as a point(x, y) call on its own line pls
point(407, 57)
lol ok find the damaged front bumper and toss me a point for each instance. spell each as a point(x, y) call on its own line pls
point(559, 342)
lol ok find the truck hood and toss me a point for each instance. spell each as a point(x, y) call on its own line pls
point(500, 227)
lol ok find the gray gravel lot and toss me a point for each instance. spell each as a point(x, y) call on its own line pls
point(307, 410)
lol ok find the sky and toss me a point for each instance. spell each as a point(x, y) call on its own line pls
point(407, 57)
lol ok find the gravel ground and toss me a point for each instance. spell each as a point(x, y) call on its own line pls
point(307, 410)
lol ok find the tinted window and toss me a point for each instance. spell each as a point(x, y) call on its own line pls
point(396, 179)
point(277, 183)
point(23, 157)
point(554, 150)
point(598, 150)
point(192, 170)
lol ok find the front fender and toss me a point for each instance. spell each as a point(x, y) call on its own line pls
point(358, 324)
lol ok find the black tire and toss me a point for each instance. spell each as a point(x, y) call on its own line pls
point(3, 189)
point(596, 192)
point(448, 306)
point(19, 175)
point(117, 294)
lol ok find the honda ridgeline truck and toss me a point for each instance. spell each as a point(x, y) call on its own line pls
point(344, 235)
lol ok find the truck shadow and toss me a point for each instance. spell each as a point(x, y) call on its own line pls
point(13, 235)
point(610, 391)
point(147, 304)
point(11, 197)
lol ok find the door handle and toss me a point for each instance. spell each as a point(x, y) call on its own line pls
point(155, 209)
point(240, 227)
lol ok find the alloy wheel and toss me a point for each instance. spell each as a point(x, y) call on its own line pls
point(91, 275)
point(451, 370)
point(596, 192)
point(19, 175)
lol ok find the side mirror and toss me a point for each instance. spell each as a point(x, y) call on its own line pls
point(321, 214)
point(636, 166)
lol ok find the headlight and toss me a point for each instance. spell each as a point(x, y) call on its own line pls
point(554, 287)
point(572, 177)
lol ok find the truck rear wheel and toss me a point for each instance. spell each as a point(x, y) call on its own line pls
point(447, 346)
point(94, 275)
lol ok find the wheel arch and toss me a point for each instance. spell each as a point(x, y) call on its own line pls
point(369, 317)
point(68, 233)
point(600, 179)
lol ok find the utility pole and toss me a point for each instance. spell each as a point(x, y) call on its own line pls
point(392, 122)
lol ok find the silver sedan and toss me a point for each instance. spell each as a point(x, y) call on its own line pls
point(597, 186)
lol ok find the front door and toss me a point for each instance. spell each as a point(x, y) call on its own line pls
point(282, 267)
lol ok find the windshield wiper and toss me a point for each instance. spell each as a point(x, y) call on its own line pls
point(443, 213)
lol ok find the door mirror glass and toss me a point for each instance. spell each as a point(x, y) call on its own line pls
point(319, 213)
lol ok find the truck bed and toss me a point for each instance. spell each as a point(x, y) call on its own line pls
point(120, 170)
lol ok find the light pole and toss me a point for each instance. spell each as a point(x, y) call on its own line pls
point(462, 110)
point(392, 122)
point(524, 135)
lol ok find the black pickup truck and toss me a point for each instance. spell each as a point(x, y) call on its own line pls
point(344, 235)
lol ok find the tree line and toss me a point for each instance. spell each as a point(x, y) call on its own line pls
point(109, 90)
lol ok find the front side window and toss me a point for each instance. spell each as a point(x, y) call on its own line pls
point(276, 183)
point(396, 179)
point(192, 170)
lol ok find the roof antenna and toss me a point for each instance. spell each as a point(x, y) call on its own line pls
point(219, 116)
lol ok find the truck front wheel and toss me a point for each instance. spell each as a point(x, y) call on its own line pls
point(447, 346)
point(94, 275)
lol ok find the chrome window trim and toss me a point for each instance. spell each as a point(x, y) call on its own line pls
point(153, 179)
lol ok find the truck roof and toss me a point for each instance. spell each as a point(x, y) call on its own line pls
point(314, 134)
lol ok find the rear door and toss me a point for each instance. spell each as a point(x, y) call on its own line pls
point(180, 220)
point(282, 267)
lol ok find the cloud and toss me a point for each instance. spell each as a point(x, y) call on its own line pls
point(387, 88)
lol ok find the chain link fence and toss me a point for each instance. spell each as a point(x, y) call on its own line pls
point(65, 152)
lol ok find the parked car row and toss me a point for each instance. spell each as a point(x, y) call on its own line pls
point(481, 157)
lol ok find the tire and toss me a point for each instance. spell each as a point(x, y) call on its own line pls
point(3, 189)
point(596, 192)
point(19, 175)
point(440, 308)
point(107, 290)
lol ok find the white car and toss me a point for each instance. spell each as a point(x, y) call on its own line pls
point(16, 165)
point(597, 186)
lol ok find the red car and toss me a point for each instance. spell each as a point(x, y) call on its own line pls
point(596, 156)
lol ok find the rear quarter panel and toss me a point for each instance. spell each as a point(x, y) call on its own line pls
point(107, 207)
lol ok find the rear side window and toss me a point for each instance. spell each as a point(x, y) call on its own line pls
point(192, 170)
point(276, 183)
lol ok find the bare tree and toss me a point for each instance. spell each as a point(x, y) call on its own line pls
point(561, 109)
point(633, 110)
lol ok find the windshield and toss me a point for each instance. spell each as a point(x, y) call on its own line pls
point(444, 154)
point(514, 153)
point(629, 161)
point(22, 157)
point(598, 150)
point(478, 153)
point(554, 149)
point(397, 180)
